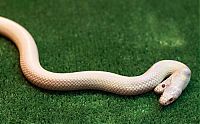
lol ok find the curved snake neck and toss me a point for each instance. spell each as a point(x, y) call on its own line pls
point(30, 65)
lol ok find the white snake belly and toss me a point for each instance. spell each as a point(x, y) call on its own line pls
point(99, 80)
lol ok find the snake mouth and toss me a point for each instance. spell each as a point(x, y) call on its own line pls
point(166, 100)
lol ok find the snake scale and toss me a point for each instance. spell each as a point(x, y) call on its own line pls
point(167, 77)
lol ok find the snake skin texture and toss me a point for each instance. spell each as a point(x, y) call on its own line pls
point(168, 77)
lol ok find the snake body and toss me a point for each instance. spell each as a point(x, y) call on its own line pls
point(168, 77)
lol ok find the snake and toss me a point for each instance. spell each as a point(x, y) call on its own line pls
point(166, 77)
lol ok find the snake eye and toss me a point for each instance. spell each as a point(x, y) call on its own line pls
point(171, 99)
point(163, 85)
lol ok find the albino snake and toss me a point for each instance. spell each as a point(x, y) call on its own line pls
point(166, 77)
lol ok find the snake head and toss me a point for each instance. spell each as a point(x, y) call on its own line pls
point(177, 84)
point(159, 89)
point(170, 95)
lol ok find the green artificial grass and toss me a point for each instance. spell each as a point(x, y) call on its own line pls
point(120, 36)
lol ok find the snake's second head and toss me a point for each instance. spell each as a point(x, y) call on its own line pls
point(170, 95)
point(175, 86)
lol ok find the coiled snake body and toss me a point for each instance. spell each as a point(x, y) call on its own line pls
point(166, 77)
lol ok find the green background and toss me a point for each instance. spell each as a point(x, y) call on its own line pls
point(120, 36)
